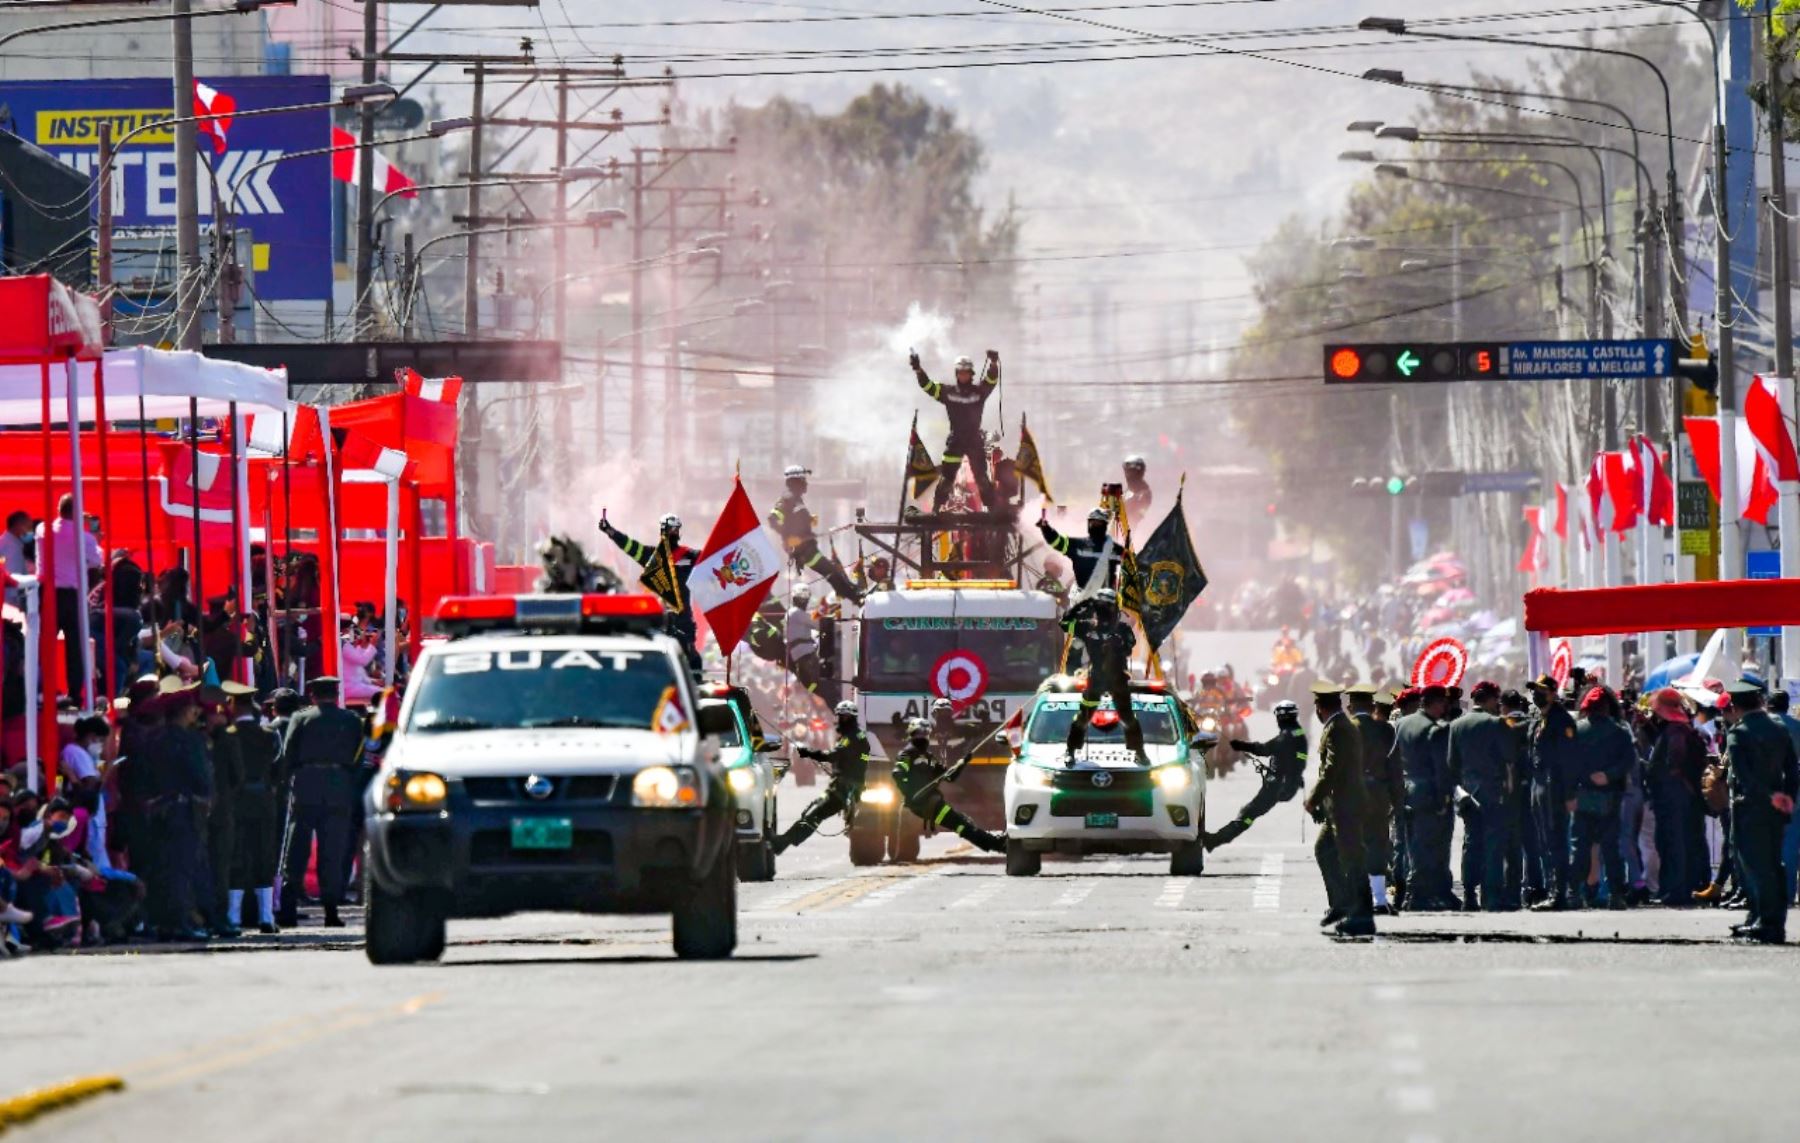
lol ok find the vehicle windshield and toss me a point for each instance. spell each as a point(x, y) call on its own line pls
point(1050, 723)
point(900, 652)
point(536, 689)
point(732, 737)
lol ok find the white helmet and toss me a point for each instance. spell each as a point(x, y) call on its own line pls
point(847, 708)
point(801, 596)
point(965, 362)
point(670, 522)
point(796, 472)
point(1135, 461)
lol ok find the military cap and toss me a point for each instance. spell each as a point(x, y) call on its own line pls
point(1485, 689)
point(1434, 693)
point(1325, 688)
point(169, 684)
point(1453, 693)
point(1360, 690)
point(235, 689)
point(1744, 688)
point(1386, 698)
point(1543, 683)
point(321, 683)
point(1408, 694)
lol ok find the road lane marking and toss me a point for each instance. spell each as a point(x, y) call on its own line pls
point(979, 896)
point(22, 1109)
point(847, 890)
point(1265, 893)
point(894, 889)
point(1174, 890)
point(790, 893)
point(1415, 1099)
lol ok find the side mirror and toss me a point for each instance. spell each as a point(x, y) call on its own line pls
point(772, 743)
point(716, 720)
point(1203, 741)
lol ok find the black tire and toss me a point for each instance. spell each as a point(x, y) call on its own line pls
point(908, 833)
point(1022, 862)
point(705, 920)
point(401, 928)
point(1189, 860)
point(755, 861)
point(866, 846)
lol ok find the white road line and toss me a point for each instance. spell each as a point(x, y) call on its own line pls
point(980, 895)
point(1174, 890)
point(881, 897)
point(1265, 895)
point(789, 893)
point(1073, 895)
point(1414, 1099)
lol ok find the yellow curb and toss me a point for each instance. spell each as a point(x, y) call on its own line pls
point(22, 1109)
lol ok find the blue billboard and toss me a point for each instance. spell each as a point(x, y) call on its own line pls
point(283, 203)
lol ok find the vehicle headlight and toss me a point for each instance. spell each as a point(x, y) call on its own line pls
point(878, 795)
point(666, 787)
point(415, 790)
point(1274, 680)
point(1209, 723)
point(1171, 779)
point(741, 779)
point(1032, 777)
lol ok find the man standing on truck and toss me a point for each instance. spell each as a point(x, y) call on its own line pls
point(964, 402)
point(679, 622)
point(918, 774)
point(1281, 778)
point(1107, 640)
point(849, 763)
point(1096, 555)
point(797, 527)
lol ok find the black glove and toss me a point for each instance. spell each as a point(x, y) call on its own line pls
point(1239, 744)
point(912, 359)
point(1046, 531)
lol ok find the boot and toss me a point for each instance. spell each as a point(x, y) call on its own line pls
point(1335, 916)
point(1709, 894)
point(332, 920)
point(1355, 927)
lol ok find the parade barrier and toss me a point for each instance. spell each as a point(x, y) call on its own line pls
point(1662, 607)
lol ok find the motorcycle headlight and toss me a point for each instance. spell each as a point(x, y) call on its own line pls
point(1274, 680)
point(667, 787)
point(1209, 723)
point(1171, 779)
point(1032, 777)
point(741, 779)
point(878, 796)
point(415, 790)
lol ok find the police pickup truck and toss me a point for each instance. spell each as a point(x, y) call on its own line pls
point(552, 754)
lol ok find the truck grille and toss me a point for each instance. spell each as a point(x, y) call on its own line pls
point(1123, 781)
point(1072, 804)
point(578, 788)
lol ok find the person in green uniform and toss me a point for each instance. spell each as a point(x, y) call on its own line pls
point(1763, 776)
point(1335, 802)
point(1384, 787)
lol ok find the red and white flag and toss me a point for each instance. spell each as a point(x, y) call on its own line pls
point(443, 389)
point(1656, 492)
point(735, 570)
point(1756, 490)
point(1623, 489)
point(1594, 526)
point(207, 482)
point(302, 439)
point(1534, 559)
point(1768, 428)
point(345, 151)
point(1562, 512)
point(358, 452)
point(220, 108)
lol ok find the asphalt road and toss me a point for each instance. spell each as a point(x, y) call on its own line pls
point(1101, 1000)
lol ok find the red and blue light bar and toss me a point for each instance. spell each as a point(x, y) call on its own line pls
point(466, 614)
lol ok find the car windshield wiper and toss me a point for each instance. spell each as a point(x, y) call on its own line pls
point(454, 722)
point(579, 720)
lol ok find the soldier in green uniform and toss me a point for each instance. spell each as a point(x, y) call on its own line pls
point(918, 775)
point(1384, 787)
point(1763, 775)
point(322, 748)
point(1480, 758)
point(1335, 802)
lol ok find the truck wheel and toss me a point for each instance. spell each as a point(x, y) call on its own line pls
point(1189, 860)
point(755, 861)
point(908, 833)
point(705, 920)
point(1022, 862)
point(401, 928)
point(867, 847)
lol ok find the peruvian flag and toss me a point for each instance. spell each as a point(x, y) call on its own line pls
point(1596, 501)
point(302, 440)
point(1534, 559)
point(1562, 512)
point(1623, 488)
point(1762, 413)
point(345, 168)
point(357, 452)
point(442, 389)
point(1757, 494)
point(212, 102)
point(735, 570)
point(187, 480)
point(1656, 492)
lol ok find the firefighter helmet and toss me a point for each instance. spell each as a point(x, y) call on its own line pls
point(1106, 597)
point(965, 362)
point(1135, 463)
point(1287, 708)
point(918, 728)
point(801, 595)
point(846, 709)
point(1099, 514)
point(670, 522)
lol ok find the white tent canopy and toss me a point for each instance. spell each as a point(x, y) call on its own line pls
point(167, 379)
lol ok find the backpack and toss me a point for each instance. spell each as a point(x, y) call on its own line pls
point(1713, 788)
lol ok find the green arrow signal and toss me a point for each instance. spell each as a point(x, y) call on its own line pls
point(1406, 363)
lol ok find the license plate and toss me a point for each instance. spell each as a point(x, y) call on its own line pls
point(1102, 821)
point(542, 833)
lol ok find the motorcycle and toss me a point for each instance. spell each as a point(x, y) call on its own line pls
point(1219, 722)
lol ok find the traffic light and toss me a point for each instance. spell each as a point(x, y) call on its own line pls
point(1699, 366)
point(1395, 485)
point(1415, 361)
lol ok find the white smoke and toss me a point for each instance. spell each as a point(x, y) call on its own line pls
point(869, 393)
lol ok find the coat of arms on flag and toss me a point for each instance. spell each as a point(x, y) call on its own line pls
point(669, 717)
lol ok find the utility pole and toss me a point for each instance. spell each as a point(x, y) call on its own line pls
point(560, 254)
point(408, 267)
point(365, 181)
point(1782, 257)
point(187, 204)
point(472, 247)
point(637, 295)
point(104, 237)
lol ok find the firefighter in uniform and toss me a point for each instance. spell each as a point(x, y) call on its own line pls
point(1107, 641)
point(1096, 550)
point(964, 402)
point(323, 748)
point(679, 623)
point(917, 775)
point(1384, 788)
point(1138, 496)
point(849, 762)
point(1335, 802)
point(797, 528)
point(800, 634)
point(1281, 778)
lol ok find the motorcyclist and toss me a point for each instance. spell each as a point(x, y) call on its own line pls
point(1137, 491)
point(848, 760)
point(1286, 654)
point(797, 528)
point(1282, 777)
point(919, 775)
point(679, 622)
point(1107, 641)
point(964, 402)
point(1095, 556)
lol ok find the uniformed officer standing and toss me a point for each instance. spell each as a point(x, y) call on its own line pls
point(1604, 756)
point(678, 622)
point(919, 777)
point(963, 403)
point(1335, 802)
point(1421, 740)
point(1552, 762)
point(256, 848)
point(221, 817)
point(176, 791)
point(1523, 874)
point(324, 744)
point(1095, 556)
point(1281, 778)
point(848, 761)
point(1763, 774)
point(1107, 641)
point(1480, 757)
point(1384, 788)
point(797, 527)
